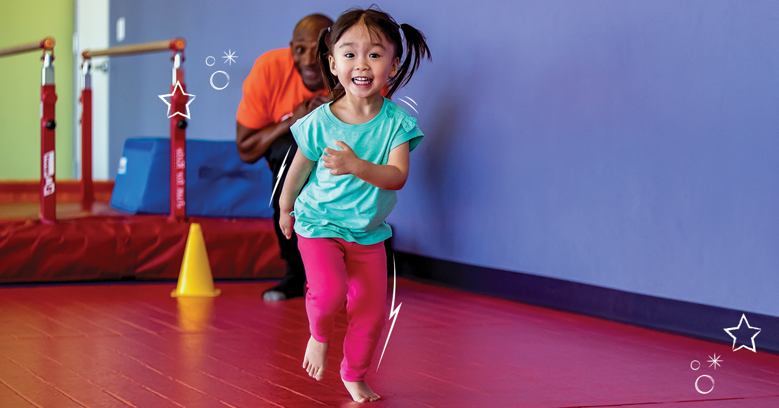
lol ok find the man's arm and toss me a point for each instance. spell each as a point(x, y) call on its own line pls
point(252, 143)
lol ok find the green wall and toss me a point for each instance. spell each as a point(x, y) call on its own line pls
point(20, 79)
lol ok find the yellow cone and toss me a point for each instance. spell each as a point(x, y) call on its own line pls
point(195, 277)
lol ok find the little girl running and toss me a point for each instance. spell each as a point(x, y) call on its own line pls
point(356, 152)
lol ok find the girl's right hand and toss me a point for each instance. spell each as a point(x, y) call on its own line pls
point(286, 222)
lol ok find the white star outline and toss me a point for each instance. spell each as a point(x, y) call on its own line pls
point(715, 361)
point(743, 320)
point(178, 85)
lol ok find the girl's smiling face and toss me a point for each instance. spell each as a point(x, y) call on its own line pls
point(363, 62)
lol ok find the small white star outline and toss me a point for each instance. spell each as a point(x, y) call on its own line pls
point(178, 86)
point(230, 56)
point(743, 320)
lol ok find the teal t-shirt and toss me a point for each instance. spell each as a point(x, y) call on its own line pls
point(345, 206)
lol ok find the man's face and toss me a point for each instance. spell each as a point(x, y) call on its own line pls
point(304, 45)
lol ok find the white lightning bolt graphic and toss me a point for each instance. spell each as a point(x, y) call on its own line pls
point(393, 312)
point(278, 178)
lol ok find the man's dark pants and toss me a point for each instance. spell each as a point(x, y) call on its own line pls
point(295, 276)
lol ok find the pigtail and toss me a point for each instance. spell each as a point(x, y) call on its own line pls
point(322, 52)
point(416, 49)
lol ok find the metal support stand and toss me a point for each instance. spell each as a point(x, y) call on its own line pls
point(87, 188)
point(48, 125)
point(178, 145)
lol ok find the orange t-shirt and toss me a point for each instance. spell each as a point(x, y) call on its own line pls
point(272, 90)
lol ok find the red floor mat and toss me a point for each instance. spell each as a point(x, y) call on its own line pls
point(124, 345)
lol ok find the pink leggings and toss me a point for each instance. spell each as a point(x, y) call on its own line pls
point(339, 271)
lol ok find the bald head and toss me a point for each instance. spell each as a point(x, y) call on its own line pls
point(314, 22)
point(305, 39)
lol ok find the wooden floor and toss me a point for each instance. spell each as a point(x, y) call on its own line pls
point(125, 345)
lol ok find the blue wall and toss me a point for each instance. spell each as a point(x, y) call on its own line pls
point(626, 144)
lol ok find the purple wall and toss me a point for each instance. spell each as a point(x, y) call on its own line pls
point(626, 144)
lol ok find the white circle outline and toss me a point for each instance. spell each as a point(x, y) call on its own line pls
point(695, 361)
point(712, 384)
point(212, 80)
point(212, 64)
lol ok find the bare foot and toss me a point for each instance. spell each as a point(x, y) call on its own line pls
point(315, 360)
point(360, 391)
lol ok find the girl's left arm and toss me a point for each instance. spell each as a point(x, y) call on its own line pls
point(298, 172)
point(390, 176)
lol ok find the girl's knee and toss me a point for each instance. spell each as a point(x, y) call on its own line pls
point(332, 297)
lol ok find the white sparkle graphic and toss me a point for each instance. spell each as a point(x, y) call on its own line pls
point(393, 311)
point(715, 361)
point(409, 105)
point(230, 56)
point(278, 178)
point(737, 328)
point(170, 95)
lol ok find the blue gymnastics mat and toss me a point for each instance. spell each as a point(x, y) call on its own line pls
point(219, 183)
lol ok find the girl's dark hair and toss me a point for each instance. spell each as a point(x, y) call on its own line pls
point(378, 23)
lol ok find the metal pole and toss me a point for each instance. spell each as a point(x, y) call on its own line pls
point(46, 44)
point(176, 44)
point(87, 189)
point(48, 124)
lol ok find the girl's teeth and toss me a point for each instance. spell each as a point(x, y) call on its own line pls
point(362, 81)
